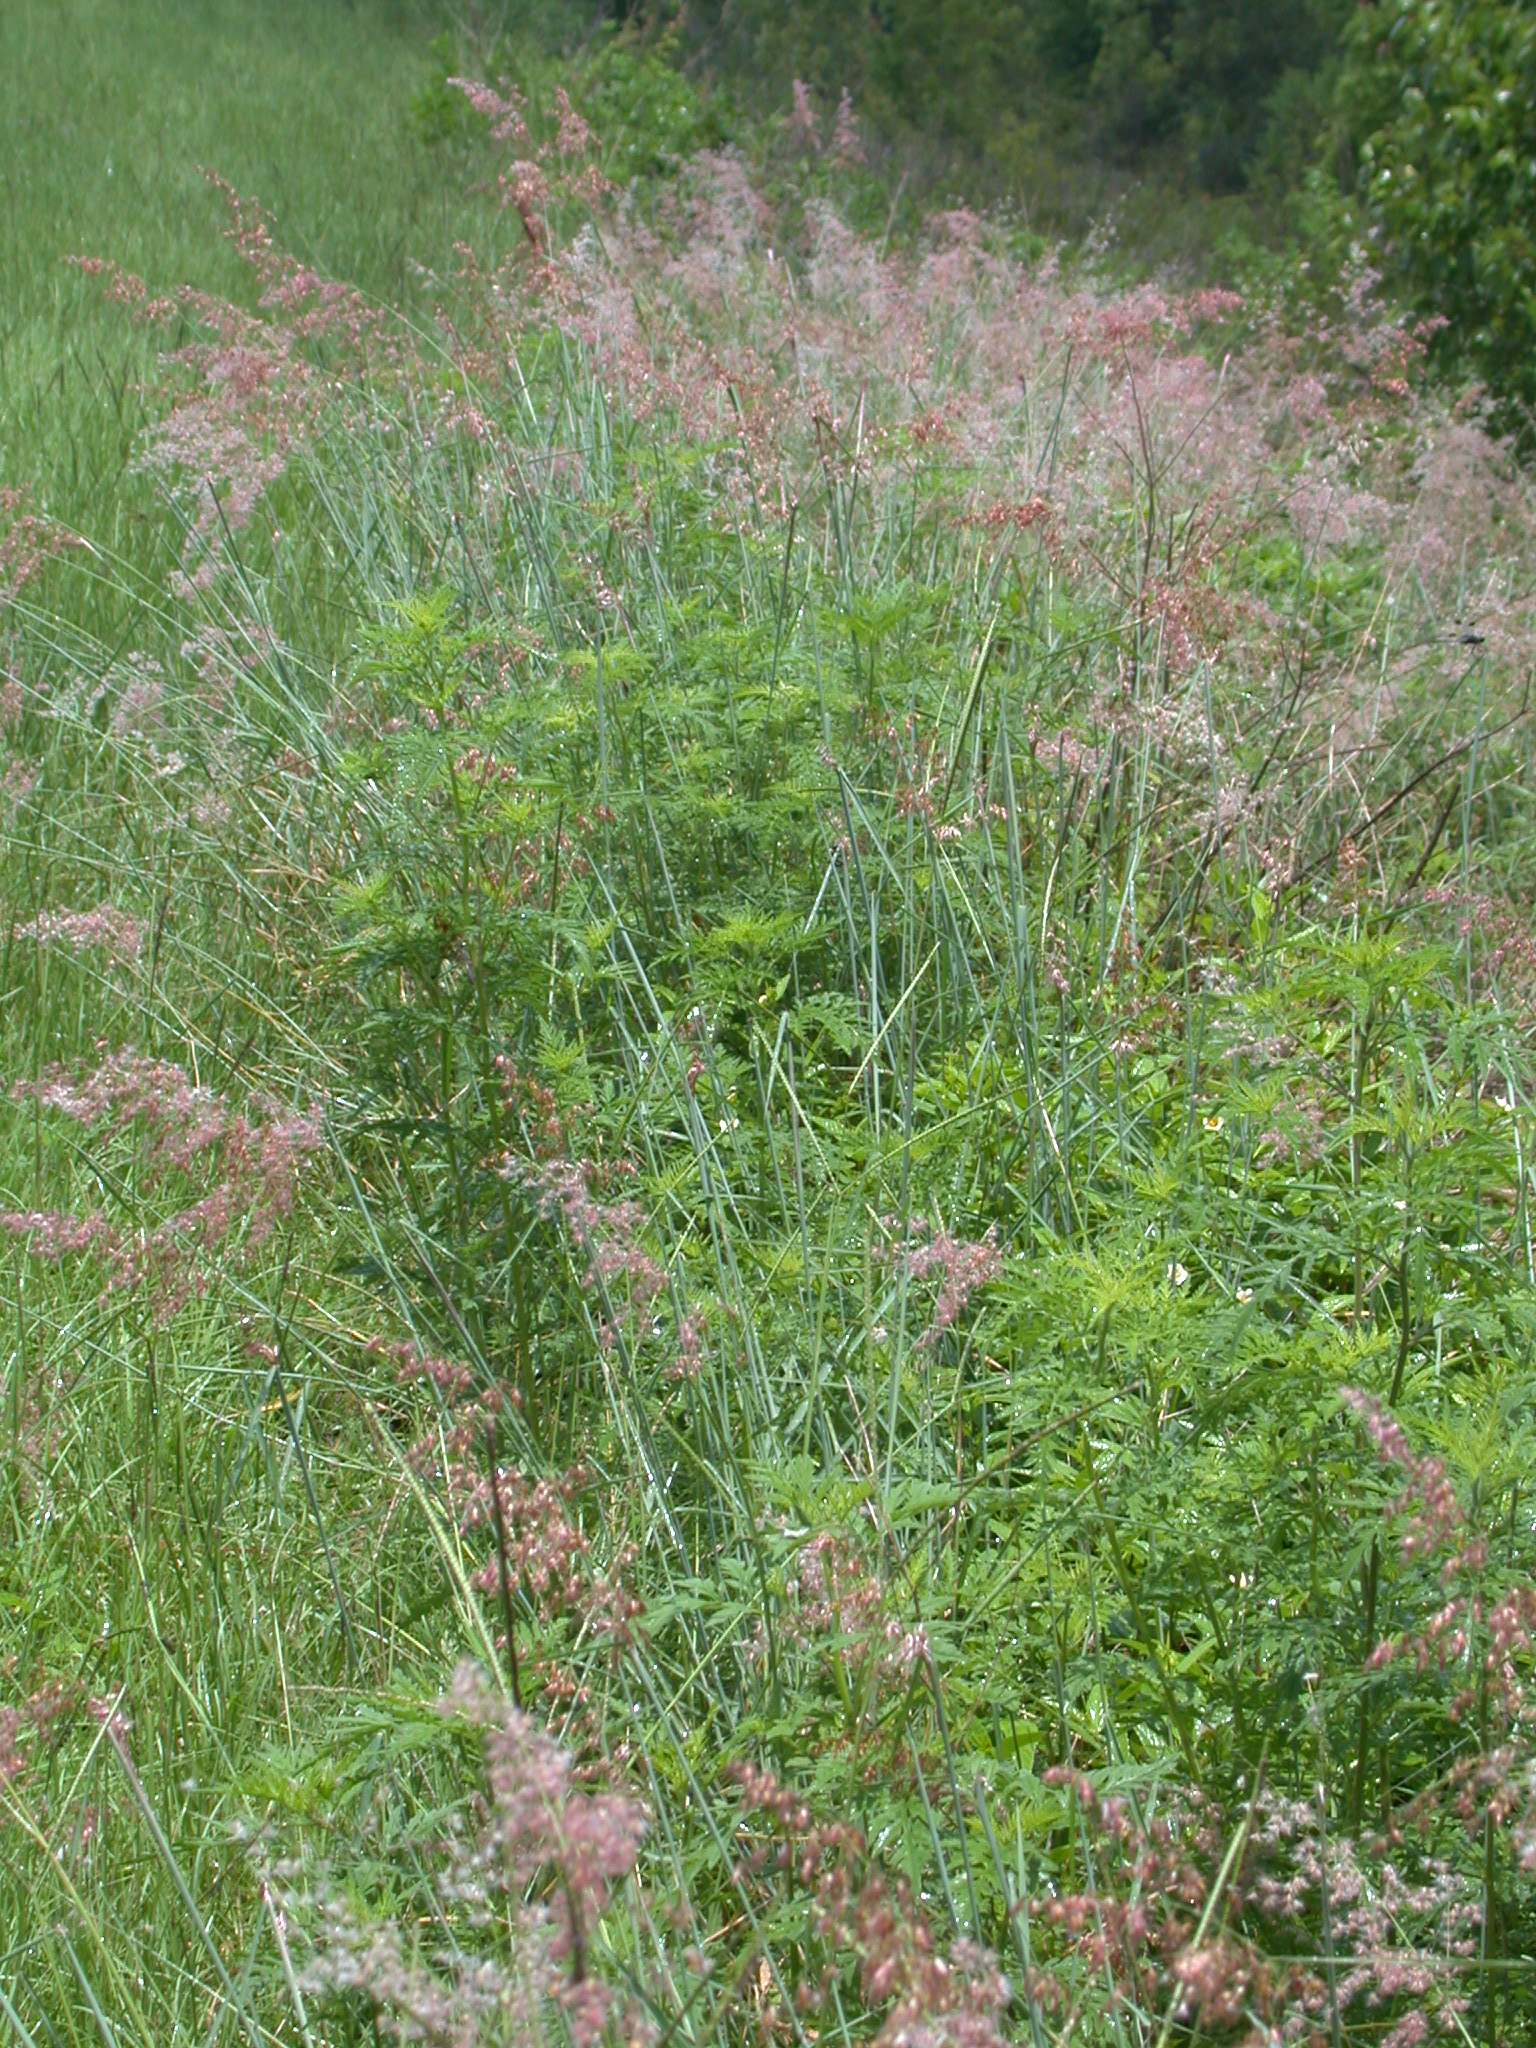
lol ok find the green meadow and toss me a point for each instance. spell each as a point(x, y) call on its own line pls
point(766, 1001)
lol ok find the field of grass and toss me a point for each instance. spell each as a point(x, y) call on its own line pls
point(765, 1175)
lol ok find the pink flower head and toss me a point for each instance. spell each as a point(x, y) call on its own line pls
point(847, 144)
point(105, 928)
point(504, 111)
point(803, 124)
point(574, 137)
point(249, 1163)
point(1428, 1496)
point(27, 541)
point(962, 1266)
point(545, 1822)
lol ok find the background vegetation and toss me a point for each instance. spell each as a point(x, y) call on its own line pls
point(767, 1006)
point(1270, 145)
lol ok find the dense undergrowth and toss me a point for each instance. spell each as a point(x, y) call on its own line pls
point(768, 1016)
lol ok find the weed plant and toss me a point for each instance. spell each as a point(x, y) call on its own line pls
point(768, 1016)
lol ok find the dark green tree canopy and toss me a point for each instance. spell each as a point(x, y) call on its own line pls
point(1445, 106)
point(1195, 83)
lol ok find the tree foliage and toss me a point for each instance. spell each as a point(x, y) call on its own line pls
point(1194, 85)
point(1447, 100)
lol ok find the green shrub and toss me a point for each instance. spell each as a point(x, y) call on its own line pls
point(1447, 100)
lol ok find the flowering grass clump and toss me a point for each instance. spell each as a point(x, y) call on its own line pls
point(1260, 1929)
point(106, 928)
point(1480, 1639)
point(857, 1918)
point(530, 1889)
point(960, 1268)
point(250, 1162)
point(29, 1726)
point(28, 540)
